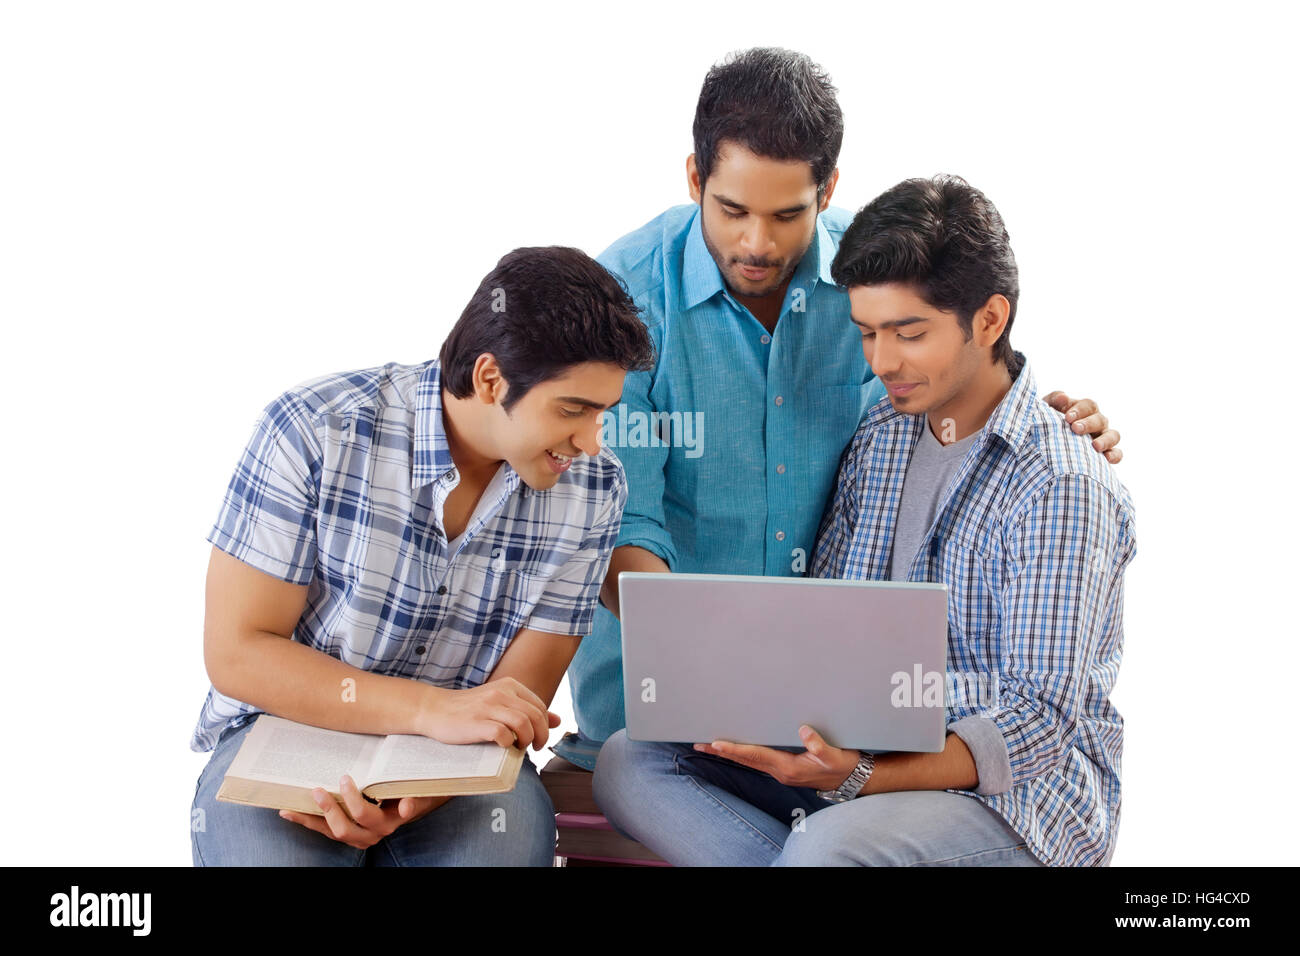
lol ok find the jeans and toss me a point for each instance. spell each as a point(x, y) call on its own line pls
point(695, 809)
point(496, 829)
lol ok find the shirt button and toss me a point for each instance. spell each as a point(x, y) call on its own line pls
point(442, 589)
point(420, 649)
point(780, 536)
point(765, 339)
point(778, 400)
point(780, 469)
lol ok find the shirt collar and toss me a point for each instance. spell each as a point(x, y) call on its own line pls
point(432, 459)
point(1010, 420)
point(701, 278)
point(822, 253)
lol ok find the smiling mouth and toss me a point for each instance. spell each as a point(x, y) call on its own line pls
point(558, 462)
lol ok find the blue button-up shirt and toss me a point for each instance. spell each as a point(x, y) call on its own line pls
point(738, 482)
point(1031, 537)
point(342, 488)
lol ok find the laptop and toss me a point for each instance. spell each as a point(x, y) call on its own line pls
point(748, 659)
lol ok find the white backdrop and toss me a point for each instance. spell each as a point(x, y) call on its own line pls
point(203, 204)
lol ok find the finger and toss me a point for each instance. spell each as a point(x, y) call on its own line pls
point(1106, 440)
point(1081, 409)
point(1058, 400)
point(540, 718)
point(541, 728)
point(1092, 425)
point(519, 722)
point(751, 755)
point(732, 755)
point(816, 746)
point(340, 827)
point(365, 814)
point(552, 719)
point(494, 731)
point(1114, 456)
point(544, 726)
point(408, 808)
point(308, 820)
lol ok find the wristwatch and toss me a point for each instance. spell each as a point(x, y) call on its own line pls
point(851, 787)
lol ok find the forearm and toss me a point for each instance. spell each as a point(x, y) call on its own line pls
point(297, 682)
point(952, 768)
point(627, 558)
point(537, 660)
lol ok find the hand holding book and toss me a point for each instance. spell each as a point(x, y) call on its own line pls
point(503, 711)
point(364, 823)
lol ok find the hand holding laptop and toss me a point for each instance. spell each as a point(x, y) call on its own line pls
point(819, 767)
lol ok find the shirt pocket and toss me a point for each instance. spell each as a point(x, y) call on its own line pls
point(973, 611)
point(480, 576)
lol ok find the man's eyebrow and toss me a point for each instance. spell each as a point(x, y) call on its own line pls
point(578, 400)
point(787, 211)
point(893, 323)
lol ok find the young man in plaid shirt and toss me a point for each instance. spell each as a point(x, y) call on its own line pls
point(419, 550)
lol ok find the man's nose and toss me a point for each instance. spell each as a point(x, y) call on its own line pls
point(881, 355)
point(587, 440)
point(757, 239)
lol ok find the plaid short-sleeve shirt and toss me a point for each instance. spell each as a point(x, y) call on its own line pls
point(342, 488)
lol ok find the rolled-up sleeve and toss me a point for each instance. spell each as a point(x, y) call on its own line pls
point(988, 749)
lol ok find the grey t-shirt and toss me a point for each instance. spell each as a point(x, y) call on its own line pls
point(932, 466)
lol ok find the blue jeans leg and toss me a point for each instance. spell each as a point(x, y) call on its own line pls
point(685, 806)
point(906, 828)
point(494, 829)
point(515, 828)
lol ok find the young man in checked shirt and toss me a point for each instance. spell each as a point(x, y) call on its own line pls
point(965, 478)
point(419, 550)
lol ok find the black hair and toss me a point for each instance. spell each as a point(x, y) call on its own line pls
point(776, 103)
point(942, 236)
point(540, 311)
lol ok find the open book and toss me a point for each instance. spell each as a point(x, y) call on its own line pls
point(280, 762)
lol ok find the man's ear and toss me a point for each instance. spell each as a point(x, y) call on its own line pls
point(830, 188)
point(489, 385)
point(693, 179)
point(990, 320)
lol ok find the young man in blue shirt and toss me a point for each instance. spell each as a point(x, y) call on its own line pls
point(754, 348)
point(419, 550)
point(961, 477)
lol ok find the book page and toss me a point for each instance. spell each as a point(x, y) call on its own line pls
point(282, 751)
point(412, 757)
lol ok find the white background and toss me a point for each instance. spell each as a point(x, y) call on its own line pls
point(203, 204)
